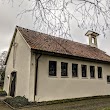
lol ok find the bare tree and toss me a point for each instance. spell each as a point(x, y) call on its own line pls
point(55, 16)
point(2, 65)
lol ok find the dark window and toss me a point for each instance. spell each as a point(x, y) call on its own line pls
point(92, 71)
point(52, 68)
point(99, 72)
point(64, 69)
point(84, 69)
point(108, 78)
point(75, 70)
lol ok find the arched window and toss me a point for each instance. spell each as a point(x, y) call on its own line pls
point(93, 40)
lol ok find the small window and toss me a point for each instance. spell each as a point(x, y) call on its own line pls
point(93, 40)
point(99, 72)
point(108, 78)
point(75, 70)
point(64, 69)
point(52, 68)
point(92, 71)
point(84, 69)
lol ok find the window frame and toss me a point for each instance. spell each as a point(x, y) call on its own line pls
point(75, 74)
point(99, 73)
point(63, 74)
point(50, 75)
point(92, 77)
point(85, 71)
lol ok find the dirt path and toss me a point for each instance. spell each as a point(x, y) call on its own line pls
point(93, 104)
point(4, 106)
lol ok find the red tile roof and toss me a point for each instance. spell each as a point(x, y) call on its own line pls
point(44, 42)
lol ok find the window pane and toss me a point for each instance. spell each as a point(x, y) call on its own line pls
point(108, 78)
point(84, 67)
point(52, 68)
point(64, 69)
point(99, 72)
point(93, 40)
point(75, 70)
point(92, 71)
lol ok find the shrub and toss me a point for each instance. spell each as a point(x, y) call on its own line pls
point(17, 101)
point(3, 93)
point(1, 83)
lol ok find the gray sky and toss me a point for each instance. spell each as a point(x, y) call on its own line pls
point(8, 21)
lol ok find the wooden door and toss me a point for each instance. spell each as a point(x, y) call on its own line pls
point(13, 84)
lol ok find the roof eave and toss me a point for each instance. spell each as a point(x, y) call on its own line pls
point(69, 56)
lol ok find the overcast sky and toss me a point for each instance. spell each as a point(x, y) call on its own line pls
point(8, 21)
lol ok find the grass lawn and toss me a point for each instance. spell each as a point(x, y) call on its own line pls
point(87, 103)
point(106, 109)
point(90, 104)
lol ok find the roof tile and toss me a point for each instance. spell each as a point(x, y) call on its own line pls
point(44, 42)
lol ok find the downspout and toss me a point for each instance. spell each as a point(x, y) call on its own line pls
point(36, 75)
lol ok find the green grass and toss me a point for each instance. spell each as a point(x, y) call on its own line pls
point(106, 109)
point(1, 88)
point(87, 103)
